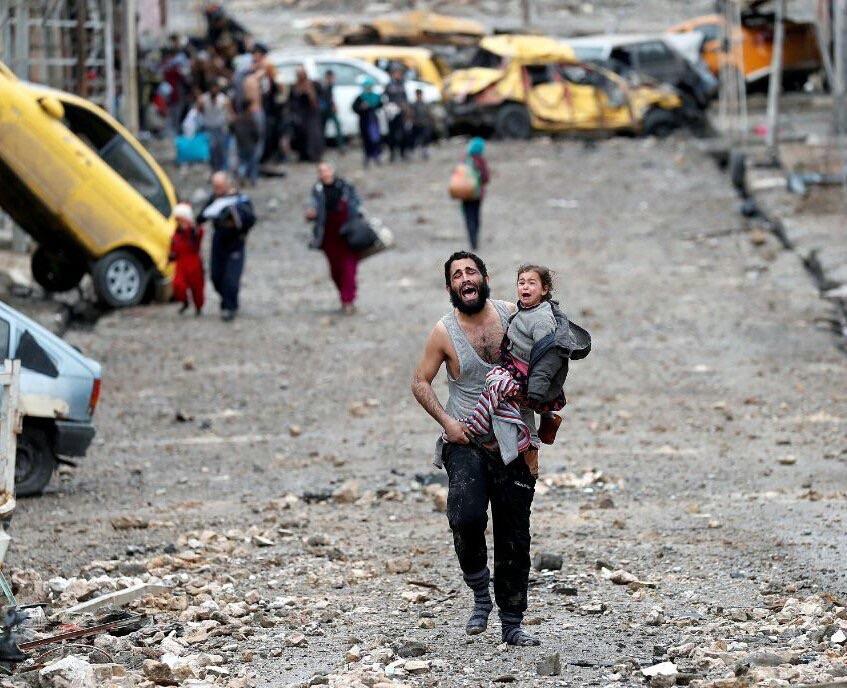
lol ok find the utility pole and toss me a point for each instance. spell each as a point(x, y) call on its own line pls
point(775, 80)
point(129, 65)
point(526, 13)
point(838, 67)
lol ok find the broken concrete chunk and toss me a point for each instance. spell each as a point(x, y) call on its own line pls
point(661, 669)
point(551, 665)
point(68, 672)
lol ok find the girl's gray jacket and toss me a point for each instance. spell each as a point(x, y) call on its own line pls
point(548, 361)
point(348, 194)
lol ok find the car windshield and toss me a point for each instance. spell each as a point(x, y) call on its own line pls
point(118, 153)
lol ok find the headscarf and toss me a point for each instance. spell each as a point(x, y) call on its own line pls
point(332, 195)
point(371, 99)
point(476, 146)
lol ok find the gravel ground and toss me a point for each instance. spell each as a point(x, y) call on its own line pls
point(703, 448)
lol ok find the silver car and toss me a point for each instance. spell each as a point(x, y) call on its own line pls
point(59, 391)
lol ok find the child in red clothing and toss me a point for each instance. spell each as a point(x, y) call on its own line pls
point(185, 251)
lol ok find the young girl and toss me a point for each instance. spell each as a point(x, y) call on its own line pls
point(498, 410)
point(185, 251)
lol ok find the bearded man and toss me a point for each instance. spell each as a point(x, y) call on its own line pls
point(467, 341)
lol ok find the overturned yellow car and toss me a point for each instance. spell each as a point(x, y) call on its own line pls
point(518, 84)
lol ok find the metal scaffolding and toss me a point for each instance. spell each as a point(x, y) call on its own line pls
point(87, 47)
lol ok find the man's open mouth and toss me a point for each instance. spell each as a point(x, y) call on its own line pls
point(469, 290)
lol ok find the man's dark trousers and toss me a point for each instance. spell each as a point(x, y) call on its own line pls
point(227, 265)
point(477, 477)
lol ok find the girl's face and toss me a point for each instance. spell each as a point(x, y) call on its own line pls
point(530, 289)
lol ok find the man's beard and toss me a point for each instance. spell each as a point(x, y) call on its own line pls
point(482, 294)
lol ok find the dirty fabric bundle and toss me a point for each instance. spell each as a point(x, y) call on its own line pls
point(498, 411)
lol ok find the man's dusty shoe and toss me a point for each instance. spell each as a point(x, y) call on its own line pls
point(548, 428)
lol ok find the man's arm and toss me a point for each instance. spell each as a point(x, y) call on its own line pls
point(428, 367)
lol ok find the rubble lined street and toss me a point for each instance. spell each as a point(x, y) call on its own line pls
point(275, 473)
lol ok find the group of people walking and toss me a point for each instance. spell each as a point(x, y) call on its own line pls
point(410, 124)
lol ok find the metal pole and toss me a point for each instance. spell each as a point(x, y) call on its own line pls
point(109, 55)
point(129, 66)
point(21, 63)
point(6, 31)
point(82, 49)
point(526, 13)
point(839, 8)
point(775, 79)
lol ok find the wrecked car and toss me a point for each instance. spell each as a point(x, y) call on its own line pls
point(643, 59)
point(801, 56)
point(87, 191)
point(518, 84)
point(420, 63)
point(59, 391)
point(417, 27)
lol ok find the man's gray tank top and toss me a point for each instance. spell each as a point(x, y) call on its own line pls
point(465, 389)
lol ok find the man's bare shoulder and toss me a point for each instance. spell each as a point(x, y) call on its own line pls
point(511, 307)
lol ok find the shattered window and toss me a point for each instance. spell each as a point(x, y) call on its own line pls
point(485, 58)
point(539, 74)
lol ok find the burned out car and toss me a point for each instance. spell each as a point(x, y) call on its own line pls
point(518, 84)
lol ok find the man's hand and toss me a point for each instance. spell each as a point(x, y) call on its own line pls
point(456, 432)
point(311, 214)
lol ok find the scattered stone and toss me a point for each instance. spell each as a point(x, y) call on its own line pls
point(296, 640)
point(354, 654)
point(565, 589)
point(622, 577)
point(838, 638)
point(505, 678)
point(416, 666)
point(547, 561)
point(295, 430)
point(68, 672)
point(656, 617)
point(398, 565)
point(158, 672)
point(661, 669)
point(550, 665)
point(348, 493)
point(129, 523)
point(789, 460)
point(593, 608)
point(410, 648)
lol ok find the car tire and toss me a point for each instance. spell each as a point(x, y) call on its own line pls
point(660, 123)
point(55, 272)
point(513, 122)
point(34, 462)
point(120, 279)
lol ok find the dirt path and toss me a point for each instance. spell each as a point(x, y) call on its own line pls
point(711, 404)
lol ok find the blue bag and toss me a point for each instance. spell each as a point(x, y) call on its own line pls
point(192, 149)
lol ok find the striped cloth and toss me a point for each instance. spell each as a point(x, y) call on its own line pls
point(498, 403)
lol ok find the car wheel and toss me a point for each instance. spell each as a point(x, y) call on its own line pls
point(34, 463)
point(660, 123)
point(55, 271)
point(120, 279)
point(512, 122)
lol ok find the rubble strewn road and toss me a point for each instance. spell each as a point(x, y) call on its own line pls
point(696, 495)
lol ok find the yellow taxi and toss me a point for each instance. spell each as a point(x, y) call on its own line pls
point(87, 191)
point(421, 62)
point(518, 84)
